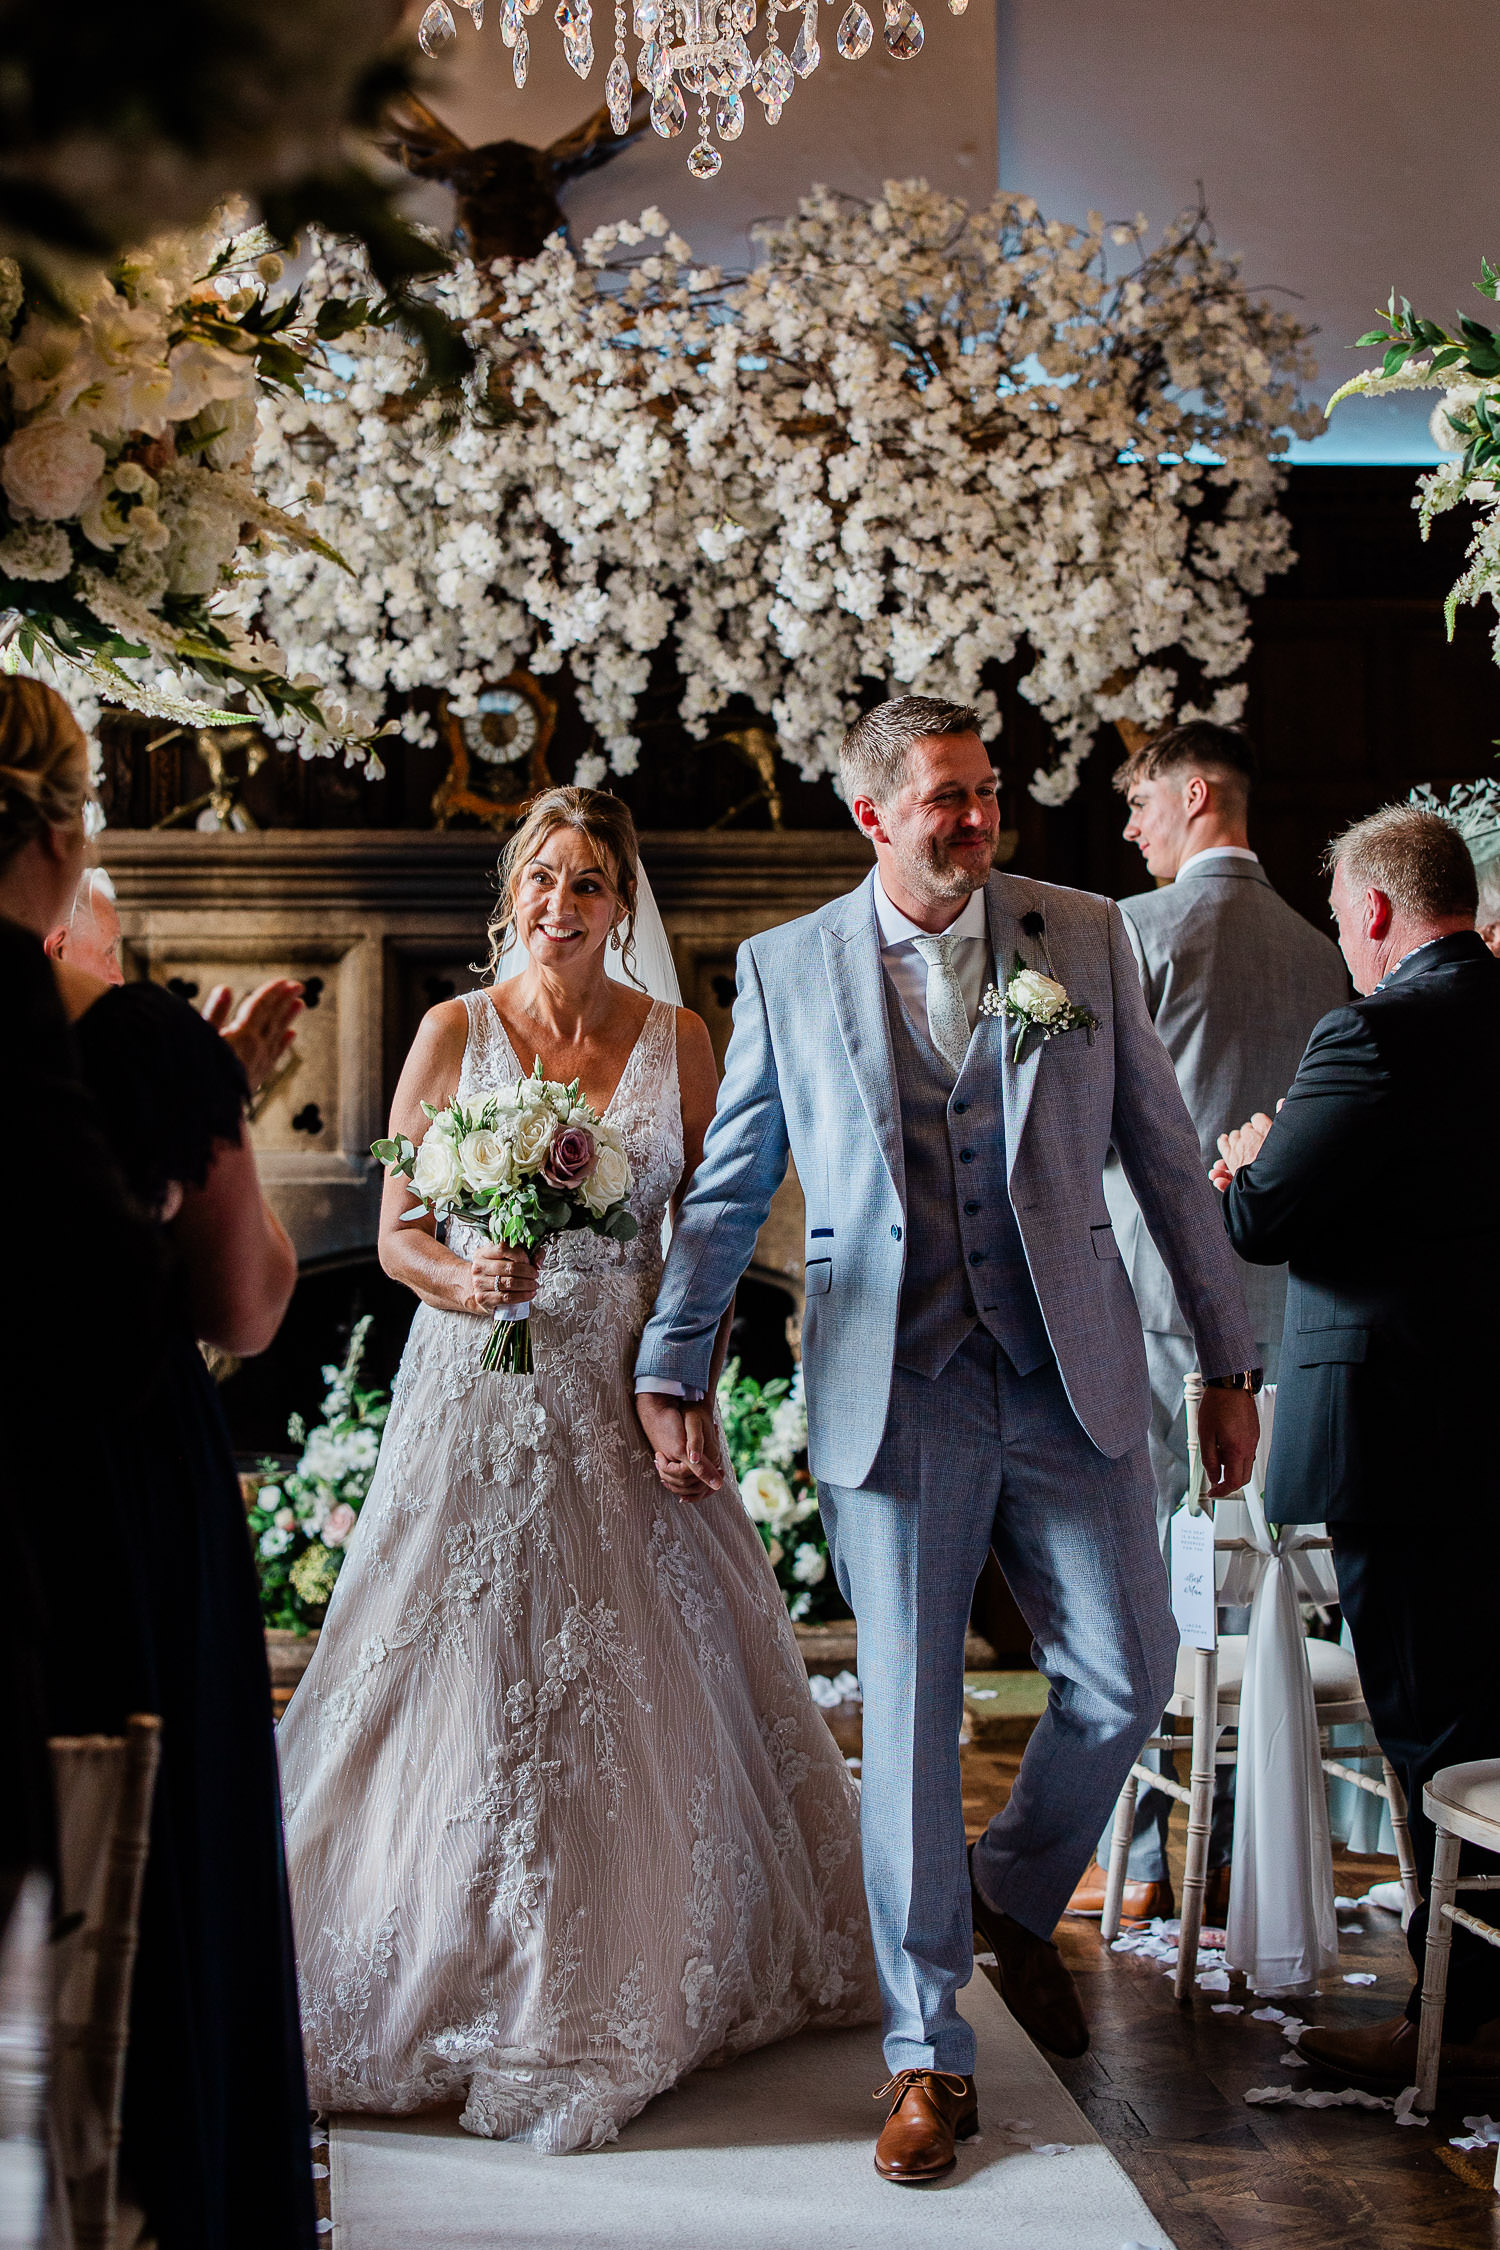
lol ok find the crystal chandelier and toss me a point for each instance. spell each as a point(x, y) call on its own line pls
point(694, 51)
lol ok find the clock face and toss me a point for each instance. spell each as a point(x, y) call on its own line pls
point(503, 729)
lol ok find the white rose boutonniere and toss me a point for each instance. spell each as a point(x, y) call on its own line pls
point(1036, 1002)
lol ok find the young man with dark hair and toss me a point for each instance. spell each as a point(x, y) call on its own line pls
point(1234, 982)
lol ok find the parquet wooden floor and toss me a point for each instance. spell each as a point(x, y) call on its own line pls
point(1164, 2087)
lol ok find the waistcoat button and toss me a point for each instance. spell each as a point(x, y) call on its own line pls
point(895, 1234)
point(971, 1208)
point(959, 1108)
point(976, 1257)
point(966, 1156)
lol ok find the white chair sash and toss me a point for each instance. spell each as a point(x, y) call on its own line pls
point(1282, 1931)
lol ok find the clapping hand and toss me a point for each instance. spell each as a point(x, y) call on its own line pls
point(684, 1442)
point(263, 1027)
point(1241, 1147)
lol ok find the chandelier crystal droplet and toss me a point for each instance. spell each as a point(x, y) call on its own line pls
point(694, 51)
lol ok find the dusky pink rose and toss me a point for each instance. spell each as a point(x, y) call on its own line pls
point(341, 1521)
point(570, 1156)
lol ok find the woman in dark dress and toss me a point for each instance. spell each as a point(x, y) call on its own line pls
point(215, 2144)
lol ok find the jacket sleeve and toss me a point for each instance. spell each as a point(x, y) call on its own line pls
point(1158, 1149)
point(1323, 1139)
point(724, 1209)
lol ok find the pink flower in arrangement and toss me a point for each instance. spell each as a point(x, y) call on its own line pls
point(341, 1521)
point(570, 1157)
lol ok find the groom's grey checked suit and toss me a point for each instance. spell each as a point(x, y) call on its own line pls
point(975, 1374)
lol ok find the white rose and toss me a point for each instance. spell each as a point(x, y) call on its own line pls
point(444, 1125)
point(436, 1175)
point(609, 1181)
point(487, 1160)
point(531, 1137)
point(767, 1496)
point(50, 468)
point(1041, 997)
point(535, 1093)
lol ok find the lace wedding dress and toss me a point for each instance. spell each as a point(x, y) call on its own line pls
point(563, 1822)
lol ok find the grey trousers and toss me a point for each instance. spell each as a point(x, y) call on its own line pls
point(1169, 1358)
point(983, 1457)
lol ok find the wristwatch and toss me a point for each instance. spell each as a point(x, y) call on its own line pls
point(1248, 1379)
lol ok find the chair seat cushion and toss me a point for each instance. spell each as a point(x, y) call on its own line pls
point(1472, 1789)
point(1335, 1676)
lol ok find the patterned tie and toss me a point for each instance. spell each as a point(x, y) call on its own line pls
point(947, 1016)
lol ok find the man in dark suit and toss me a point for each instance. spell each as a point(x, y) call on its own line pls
point(1372, 1185)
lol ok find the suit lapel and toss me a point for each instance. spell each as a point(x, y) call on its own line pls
point(1017, 1079)
point(851, 951)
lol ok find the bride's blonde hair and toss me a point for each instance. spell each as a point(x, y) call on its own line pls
point(607, 824)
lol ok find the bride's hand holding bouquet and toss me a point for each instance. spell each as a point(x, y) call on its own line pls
point(521, 1166)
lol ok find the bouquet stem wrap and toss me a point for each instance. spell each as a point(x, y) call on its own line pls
point(508, 1351)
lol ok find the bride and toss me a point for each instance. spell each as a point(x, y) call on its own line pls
point(563, 1822)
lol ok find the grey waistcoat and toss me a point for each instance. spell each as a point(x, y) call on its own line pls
point(965, 1261)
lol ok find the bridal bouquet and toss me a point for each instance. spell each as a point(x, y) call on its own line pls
point(521, 1166)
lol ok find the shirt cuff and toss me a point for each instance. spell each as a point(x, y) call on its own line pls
point(666, 1388)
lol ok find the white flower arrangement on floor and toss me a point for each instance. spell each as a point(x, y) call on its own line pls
point(912, 443)
point(128, 416)
point(1422, 356)
point(300, 1521)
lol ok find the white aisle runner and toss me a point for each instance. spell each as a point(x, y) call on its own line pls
point(771, 2153)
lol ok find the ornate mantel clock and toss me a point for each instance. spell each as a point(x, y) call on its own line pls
point(497, 754)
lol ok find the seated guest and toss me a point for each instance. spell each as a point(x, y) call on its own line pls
point(1364, 1185)
point(1234, 980)
point(214, 2141)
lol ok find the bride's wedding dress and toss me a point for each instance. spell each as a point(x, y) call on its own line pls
point(563, 1822)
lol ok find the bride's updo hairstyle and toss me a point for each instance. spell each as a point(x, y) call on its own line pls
point(44, 765)
point(607, 824)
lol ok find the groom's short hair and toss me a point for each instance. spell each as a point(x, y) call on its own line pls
point(873, 754)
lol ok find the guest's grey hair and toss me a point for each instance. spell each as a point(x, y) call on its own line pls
point(873, 754)
point(1416, 858)
point(1488, 909)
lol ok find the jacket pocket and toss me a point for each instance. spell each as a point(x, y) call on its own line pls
point(818, 1277)
point(1103, 1239)
point(1331, 1347)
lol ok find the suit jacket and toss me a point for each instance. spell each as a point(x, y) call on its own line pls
point(1235, 980)
point(810, 1069)
point(1373, 1185)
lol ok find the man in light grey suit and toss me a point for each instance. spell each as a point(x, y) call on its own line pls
point(974, 1367)
point(1234, 980)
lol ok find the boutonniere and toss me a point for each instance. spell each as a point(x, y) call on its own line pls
point(1037, 1001)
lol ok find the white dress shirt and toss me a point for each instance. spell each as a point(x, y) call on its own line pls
point(1218, 851)
point(907, 970)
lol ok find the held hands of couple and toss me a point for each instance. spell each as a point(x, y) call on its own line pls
point(684, 1442)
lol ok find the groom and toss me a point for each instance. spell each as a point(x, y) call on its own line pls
point(974, 1365)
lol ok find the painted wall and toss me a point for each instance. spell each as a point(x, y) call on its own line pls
point(1343, 146)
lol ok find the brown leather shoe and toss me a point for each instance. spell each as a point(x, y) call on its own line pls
point(931, 2109)
point(1139, 1902)
point(1384, 2055)
point(1034, 1985)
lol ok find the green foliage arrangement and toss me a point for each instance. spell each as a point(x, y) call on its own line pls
point(765, 1427)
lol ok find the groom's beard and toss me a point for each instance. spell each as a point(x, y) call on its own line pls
point(937, 873)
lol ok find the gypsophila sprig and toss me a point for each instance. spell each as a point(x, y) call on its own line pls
point(520, 1166)
point(130, 526)
point(913, 443)
point(301, 1519)
point(1421, 355)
